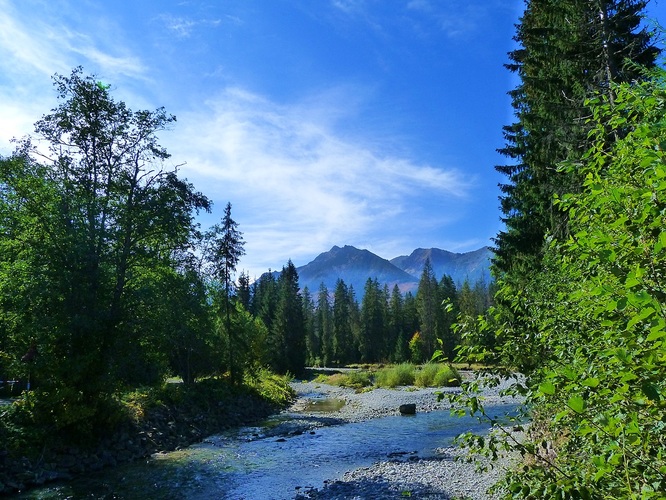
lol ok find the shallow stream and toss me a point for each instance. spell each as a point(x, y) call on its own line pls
point(254, 463)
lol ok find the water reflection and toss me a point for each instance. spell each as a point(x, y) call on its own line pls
point(252, 464)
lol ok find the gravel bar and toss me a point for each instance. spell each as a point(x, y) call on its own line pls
point(441, 477)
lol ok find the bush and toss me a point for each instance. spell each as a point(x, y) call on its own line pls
point(425, 377)
point(272, 387)
point(352, 379)
point(394, 376)
point(437, 375)
point(447, 376)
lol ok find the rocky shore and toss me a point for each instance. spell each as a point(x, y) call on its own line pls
point(401, 476)
point(166, 428)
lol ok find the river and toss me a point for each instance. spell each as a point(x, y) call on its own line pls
point(254, 463)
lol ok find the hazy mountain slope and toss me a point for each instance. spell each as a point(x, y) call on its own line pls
point(460, 266)
point(354, 267)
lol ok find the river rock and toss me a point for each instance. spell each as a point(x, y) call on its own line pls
point(407, 409)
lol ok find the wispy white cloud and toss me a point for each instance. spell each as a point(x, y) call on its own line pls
point(32, 44)
point(183, 27)
point(457, 18)
point(27, 47)
point(33, 48)
point(298, 184)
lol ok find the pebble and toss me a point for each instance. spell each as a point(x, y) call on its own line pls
point(404, 476)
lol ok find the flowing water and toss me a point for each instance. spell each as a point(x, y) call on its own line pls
point(253, 464)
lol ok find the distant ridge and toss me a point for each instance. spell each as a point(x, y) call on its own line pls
point(471, 266)
point(354, 266)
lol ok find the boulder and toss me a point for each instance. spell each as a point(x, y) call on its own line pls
point(407, 409)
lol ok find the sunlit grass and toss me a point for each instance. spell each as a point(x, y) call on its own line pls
point(395, 375)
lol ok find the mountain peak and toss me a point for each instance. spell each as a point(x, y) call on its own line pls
point(354, 266)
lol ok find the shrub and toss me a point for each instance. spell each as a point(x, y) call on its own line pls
point(447, 376)
point(437, 375)
point(272, 387)
point(352, 379)
point(425, 377)
point(394, 376)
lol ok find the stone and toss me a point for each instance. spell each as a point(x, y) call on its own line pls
point(407, 409)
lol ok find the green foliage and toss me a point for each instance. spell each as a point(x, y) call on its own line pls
point(437, 375)
point(396, 375)
point(595, 322)
point(373, 345)
point(286, 335)
point(87, 239)
point(223, 248)
point(567, 51)
point(355, 379)
point(271, 387)
point(416, 348)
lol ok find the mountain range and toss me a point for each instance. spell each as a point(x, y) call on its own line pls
point(354, 266)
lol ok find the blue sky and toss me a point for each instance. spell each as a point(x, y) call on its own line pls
point(371, 123)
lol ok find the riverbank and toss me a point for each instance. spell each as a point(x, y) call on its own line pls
point(401, 474)
point(189, 416)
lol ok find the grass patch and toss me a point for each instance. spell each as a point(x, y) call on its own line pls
point(437, 375)
point(272, 387)
point(391, 376)
point(396, 375)
point(352, 379)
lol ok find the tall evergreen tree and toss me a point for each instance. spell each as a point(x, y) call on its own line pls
point(448, 312)
point(396, 324)
point(324, 326)
point(567, 51)
point(410, 326)
point(287, 333)
point(224, 248)
point(264, 298)
point(344, 345)
point(372, 345)
point(244, 291)
point(311, 340)
point(428, 305)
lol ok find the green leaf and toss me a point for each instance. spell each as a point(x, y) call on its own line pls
point(656, 334)
point(661, 242)
point(651, 391)
point(547, 388)
point(576, 403)
point(591, 382)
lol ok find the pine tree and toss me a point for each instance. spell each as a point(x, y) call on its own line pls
point(311, 340)
point(396, 324)
point(243, 290)
point(324, 326)
point(344, 345)
point(264, 298)
point(224, 248)
point(374, 313)
point(448, 312)
point(287, 333)
point(568, 50)
point(428, 305)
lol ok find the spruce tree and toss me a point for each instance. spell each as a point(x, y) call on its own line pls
point(428, 304)
point(311, 341)
point(344, 345)
point(287, 333)
point(445, 332)
point(568, 50)
point(373, 322)
point(224, 248)
point(324, 326)
point(396, 323)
